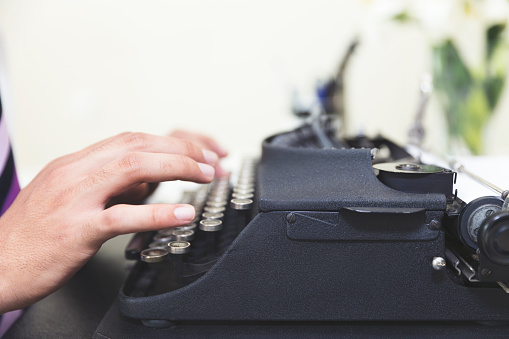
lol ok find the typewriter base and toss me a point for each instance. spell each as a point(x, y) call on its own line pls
point(114, 326)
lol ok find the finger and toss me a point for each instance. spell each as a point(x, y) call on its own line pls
point(115, 147)
point(220, 171)
point(69, 158)
point(201, 140)
point(122, 219)
point(212, 145)
point(136, 195)
point(134, 168)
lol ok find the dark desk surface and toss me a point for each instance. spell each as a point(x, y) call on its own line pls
point(75, 310)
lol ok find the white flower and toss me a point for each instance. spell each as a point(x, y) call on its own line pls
point(495, 11)
point(435, 17)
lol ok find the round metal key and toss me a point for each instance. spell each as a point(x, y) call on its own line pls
point(183, 235)
point(191, 226)
point(166, 232)
point(158, 244)
point(214, 209)
point(179, 247)
point(241, 204)
point(210, 215)
point(153, 255)
point(242, 195)
point(211, 225)
point(243, 190)
point(163, 237)
point(216, 203)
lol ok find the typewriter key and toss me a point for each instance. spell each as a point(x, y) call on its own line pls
point(153, 255)
point(158, 244)
point(242, 195)
point(200, 196)
point(217, 195)
point(246, 171)
point(177, 250)
point(220, 187)
point(243, 190)
point(243, 187)
point(183, 235)
point(166, 232)
point(187, 227)
point(241, 204)
point(179, 247)
point(217, 198)
point(214, 209)
point(216, 203)
point(161, 237)
point(210, 215)
point(211, 225)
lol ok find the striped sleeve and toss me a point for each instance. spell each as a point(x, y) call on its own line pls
point(9, 185)
point(9, 188)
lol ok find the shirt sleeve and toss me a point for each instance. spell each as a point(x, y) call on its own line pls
point(9, 189)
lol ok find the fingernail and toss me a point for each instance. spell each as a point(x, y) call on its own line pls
point(207, 170)
point(184, 213)
point(210, 157)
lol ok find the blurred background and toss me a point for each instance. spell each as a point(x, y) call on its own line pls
point(75, 72)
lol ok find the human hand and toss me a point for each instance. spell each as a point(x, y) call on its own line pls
point(140, 193)
point(204, 142)
point(59, 221)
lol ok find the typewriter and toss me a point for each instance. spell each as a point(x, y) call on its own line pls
point(309, 233)
point(321, 232)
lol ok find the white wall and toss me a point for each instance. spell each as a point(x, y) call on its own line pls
point(80, 71)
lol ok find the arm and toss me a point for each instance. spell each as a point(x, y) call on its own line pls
point(59, 221)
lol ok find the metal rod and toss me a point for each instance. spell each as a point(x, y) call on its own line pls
point(461, 169)
point(417, 133)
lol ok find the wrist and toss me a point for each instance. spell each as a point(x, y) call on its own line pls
point(4, 302)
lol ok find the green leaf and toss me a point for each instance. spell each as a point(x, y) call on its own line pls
point(493, 88)
point(450, 73)
point(494, 36)
point(475, 113)
point(496, 65)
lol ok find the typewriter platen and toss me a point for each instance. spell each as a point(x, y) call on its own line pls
point(312, 233)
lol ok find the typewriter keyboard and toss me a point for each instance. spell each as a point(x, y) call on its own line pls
point(174, 257)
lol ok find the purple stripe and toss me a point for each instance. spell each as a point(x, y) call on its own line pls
point(4, 144)
point(13, 192)
point(7, 320)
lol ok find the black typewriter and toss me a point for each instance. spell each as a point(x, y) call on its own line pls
point(319, 235)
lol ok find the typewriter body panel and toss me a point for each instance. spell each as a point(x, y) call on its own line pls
point(325, 240)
